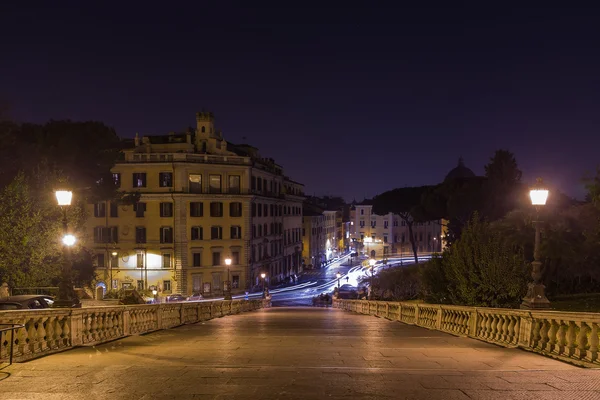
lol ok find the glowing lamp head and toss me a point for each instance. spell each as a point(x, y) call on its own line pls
point(68, 240)
point(263, 275)
point(228, 261)
point(538, 194)
point(114, 253)
point(63, 197)
point(338, 275)
point(368, 240)
point(154, 292)
point(371, 262)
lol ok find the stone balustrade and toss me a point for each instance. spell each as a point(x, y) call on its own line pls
point(569, 336)
point(50, 330)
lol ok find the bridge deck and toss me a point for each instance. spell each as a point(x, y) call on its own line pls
point(297, 353)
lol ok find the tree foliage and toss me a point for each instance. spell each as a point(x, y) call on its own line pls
point(480, 269)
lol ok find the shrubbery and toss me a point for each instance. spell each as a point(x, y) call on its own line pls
point(480, 269)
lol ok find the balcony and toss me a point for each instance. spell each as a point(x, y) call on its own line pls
point(185, 157)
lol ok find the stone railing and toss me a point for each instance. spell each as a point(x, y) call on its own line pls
point(50, 330)
point(573, 337)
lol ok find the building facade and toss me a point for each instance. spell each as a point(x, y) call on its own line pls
point(388, 234)
point(202, 200)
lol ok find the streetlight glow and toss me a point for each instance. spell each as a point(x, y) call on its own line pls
point(372, 262)
point(368, 240)
point(64, 197)
point(228, 261)
point(68, 240)
point(538, 194)
point(339, 275)
point(114, 253)
point(263, 275)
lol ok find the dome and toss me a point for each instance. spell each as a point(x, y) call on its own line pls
point(460, 171)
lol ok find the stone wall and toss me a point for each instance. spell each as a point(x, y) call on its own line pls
point(567, 336)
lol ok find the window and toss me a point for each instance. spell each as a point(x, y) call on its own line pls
point(166, 260)
point(253, 210)
point(100, 260)
point(139, 179)
point(259, 184)
point(216, 232)
point(235, 209)
point(373, 224)
point(195, 183)
point(216, 280)
point(235, 281)
point(214, 184)
point(253, 183)
point(100, 210)
point(259, 208)
point(140, 285)
point(106, 234)
point(196, 259)
point(216, 258)
point(266, 210)
point(140, 209)
point(196, 283)
point(140, 260)
point(362, 224)
point(385, 224)
point(166, 234)
point(236, 232)
point(165, 179)
point(253, 231)
point(166, 209)
point(196, 209)
point(166, 286)
point(260, 232)
point(114, 209)
point(403, 238)
point(385, 239)
point(117, 179)
point(362, 212)
point(234, 184)
point(235, 257)
point(196, 233)
point(216, 209)
point(140, 234)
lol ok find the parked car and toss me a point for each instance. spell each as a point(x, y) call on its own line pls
point(26, 301)
point(175, 297)
point(195, 297)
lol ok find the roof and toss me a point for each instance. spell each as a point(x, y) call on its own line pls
point(460, 171)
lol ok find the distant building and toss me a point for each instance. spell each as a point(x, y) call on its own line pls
point(203, 200)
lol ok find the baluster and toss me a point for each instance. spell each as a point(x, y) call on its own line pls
point(511, 330)
point(582, 340)
point(571, 337)
point(551, 336)
point(50, 333)
point(41, 334)
point(592, 354)
point(504, 332)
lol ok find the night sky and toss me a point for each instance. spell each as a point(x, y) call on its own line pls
point(351, 101)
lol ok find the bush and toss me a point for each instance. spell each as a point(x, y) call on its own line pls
point(480, 269)
point(397, 284)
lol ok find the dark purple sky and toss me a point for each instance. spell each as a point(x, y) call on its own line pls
point(351, 101)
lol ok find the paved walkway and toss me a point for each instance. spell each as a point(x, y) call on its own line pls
point(297, 353)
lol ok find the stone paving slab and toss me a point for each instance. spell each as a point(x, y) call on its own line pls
point(297, 353)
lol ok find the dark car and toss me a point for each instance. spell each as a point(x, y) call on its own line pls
point(26, 301)
point(176, 297)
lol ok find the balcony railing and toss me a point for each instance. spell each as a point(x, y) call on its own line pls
point(185, 157)
point(569, 336)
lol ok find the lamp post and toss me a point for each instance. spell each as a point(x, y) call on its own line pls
point(263, 276)
point(371, 267)
point(114, 257)
point(227, 282)
point(536, 297)
point(338, 275)
point(67, 297)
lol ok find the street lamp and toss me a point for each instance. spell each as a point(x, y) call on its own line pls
point(371, 267)
point(338, 275)
point(263, 276)
point(67, 297)
point(536, 297)
point(228, 282)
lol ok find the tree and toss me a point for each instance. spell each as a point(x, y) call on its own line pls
point(484, 269)
point(592, 184)
point(401, 201)
point(503, 168)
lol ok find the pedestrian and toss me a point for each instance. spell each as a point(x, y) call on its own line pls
point(347, 278)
